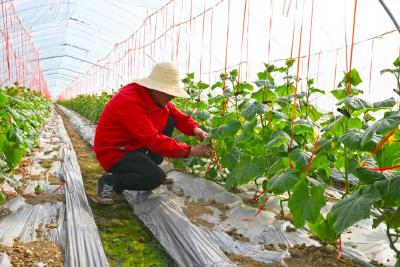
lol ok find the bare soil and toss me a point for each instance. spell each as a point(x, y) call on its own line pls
point(313, 256)
point(194, 211)
point(32, 253)
point(284, 217)
point(4, 212)
point(251, 202)
point(233, 233)
point(244, 261)
point(222, 208)
point(43, 198)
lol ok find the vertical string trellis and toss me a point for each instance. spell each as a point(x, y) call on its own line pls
point(19, 57)
point(169, 34)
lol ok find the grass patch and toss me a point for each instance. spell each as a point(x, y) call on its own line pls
point(126, 241)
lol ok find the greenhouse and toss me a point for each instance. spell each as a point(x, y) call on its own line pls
point(199, 133)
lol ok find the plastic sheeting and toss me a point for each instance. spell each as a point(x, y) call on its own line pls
point(82, 125)
point(161, 211)
point(73, 35)
point(186, 243)
point(4, 260)
point(76, 230)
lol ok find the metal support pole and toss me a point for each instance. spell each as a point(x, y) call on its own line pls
point(390, 15)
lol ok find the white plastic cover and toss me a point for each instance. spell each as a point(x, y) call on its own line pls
point(76, 230)
point(73, 35)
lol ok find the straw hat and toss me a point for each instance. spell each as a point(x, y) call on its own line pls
point(164, 78)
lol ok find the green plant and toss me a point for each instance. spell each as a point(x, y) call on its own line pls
point(89, 106)
point(46, 164)
point(38, 189)
point(264, 133)
point(2, 198)
point(285, 141)
point(22, 112)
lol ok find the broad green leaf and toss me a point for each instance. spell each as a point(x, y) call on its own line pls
point(253, 109)
point(202, 85)
point(244, 86)
point(229, 129)
point(351, 139)
point(283, 181)
point(323, 229)
point(277, 115)
point(353, 76)
point(367, 176)
point(336, 126)
point(302, 127)
point(390, 217)
point(2, 197)
point(341, 94)
point(278, 165)
point(389, 154)
point(258, 95)
point(202, 105)
point(230, 181)
point(231, 159)
point(247, 170)
point(355, 103)
point(284, 90)
point(397, 263)
point(3, 99)
point(354, 123)
point(353, 208)
point(304, 204)
point(390, 191)
point(313, 90)
point(325, 145)
point(217, 85)
point(311, 112)
point(387, 103)
point(381, 126)
point(289, 62)
point(280, 138)
point(396, 63)
point(201, 115)
point(300, 158)
point(14, 153)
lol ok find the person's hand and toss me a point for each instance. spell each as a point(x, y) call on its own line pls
point(200, 151)
point(199, 134)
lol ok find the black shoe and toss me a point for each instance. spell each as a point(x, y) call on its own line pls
point(104, 192)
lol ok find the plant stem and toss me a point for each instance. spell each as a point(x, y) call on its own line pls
point(346, 172)
point(280, 203)
point(391, 242)
point(262, 124)
point(346, 166)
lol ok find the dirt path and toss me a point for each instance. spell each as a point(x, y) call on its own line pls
point(126, 241)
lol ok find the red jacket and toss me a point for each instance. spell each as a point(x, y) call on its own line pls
point(132, 120)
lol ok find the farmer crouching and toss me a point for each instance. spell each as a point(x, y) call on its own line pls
point(134, 134)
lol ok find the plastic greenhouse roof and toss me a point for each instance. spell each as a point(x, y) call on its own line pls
point(72, 35)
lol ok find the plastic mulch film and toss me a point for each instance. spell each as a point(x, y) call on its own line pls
point(82, 125)
point(69, 224)
point(161, 211)
point(186, 243)
point(4, 260)
point(83, 244)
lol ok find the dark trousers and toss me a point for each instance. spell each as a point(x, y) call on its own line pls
point(138, 170)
